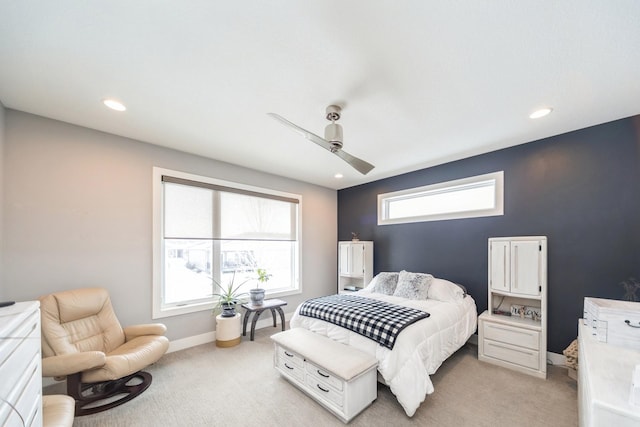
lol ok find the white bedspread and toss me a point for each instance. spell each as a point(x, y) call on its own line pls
point(419, 350)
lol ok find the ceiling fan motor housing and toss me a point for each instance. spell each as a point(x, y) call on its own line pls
point(333, 134)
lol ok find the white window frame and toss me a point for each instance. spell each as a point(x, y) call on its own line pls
point(458, 185)
point(158, 311)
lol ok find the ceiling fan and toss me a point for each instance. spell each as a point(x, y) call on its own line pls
point(332, 140)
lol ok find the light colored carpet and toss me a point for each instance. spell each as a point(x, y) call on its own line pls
point(238, 386)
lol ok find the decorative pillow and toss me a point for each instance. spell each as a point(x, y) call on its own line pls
point(413, 285)
point(444, 290)
point(384, 283)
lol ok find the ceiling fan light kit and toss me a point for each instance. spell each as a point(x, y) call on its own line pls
point(332, 140)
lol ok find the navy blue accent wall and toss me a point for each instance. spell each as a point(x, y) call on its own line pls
point(580, 189)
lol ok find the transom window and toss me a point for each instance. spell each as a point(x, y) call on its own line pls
point(208, 231)
point(471, 197)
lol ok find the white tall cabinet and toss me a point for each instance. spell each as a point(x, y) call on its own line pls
point(355, 265)
point(20, 365)
point(513, 332)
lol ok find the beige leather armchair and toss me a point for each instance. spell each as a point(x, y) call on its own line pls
point(83, 341)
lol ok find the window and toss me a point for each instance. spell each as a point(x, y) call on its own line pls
point(208, 231)
point(463, 198)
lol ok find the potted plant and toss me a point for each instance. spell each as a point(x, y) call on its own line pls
point(228, 296)
point(257, 294)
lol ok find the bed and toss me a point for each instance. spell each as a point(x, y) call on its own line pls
point(421, 347)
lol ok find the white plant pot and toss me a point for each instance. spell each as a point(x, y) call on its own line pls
point(257, 296)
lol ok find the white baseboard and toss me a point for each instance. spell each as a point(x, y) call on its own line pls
point(264, 322)
point(207, 337)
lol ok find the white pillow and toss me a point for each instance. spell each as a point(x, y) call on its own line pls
point(444, 290)
point(413, 285)
point(384, 283)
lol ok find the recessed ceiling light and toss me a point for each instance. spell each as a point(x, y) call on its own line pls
point(540, 113)
point(338, 175)
point(114, 105)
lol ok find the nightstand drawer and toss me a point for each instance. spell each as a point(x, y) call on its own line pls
point(513, 354)
point(512, 335)
point(289, 356)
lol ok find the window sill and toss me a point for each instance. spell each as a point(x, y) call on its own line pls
point(159, 313)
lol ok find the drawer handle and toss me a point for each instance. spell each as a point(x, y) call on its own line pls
point(628, 322)
point(322, 374)
point(323, 389)
point(287, 366)
point(288, 354)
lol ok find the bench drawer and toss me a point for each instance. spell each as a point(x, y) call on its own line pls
point(291, 357)
point(326, 377)
point(287, 367)
point(513, 354)
point(321, 389)
point(508, 334)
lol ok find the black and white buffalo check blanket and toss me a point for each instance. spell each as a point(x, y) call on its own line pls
point(377, 320)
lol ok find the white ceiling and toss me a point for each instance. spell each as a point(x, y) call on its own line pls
point(422, 82)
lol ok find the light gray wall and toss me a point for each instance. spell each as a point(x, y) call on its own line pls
point(1, 198)
point(78, 212)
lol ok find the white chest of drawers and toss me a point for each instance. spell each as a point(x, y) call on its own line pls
point(20, 365)
point(604, 382)
point(340, 378)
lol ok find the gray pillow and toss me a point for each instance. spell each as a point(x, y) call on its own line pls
point(385, 283)
point(413, 285)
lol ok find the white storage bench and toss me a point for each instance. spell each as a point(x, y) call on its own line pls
point(340, 378)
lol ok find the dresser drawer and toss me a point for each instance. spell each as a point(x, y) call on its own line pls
point(30, 390)
point(17, 353)
point(14, 338)
point(322, 375)
point(291, 357)
point(289, 368)
point(321, 389)
point(511, 353)
point(508, 334)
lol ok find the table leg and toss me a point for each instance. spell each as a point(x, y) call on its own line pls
point(256, 314)
point(281, 316)
point(244, 322)
point(273, 314)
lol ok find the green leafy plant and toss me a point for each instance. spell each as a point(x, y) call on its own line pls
point(229, 294)
point(263, 277)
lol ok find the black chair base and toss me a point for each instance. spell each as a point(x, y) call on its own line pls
point(97, 397)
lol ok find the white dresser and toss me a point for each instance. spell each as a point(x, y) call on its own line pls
point(604, 382)
point(20, 365)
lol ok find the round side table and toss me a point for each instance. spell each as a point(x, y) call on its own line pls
point(228, 332)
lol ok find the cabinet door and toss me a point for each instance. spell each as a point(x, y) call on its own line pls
point(345, 259)
point(525, 271)
point(499, 274)
point(357, 259)
point(352, 259)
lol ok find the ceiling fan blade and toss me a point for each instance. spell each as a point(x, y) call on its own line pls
point(358, 164)
point(310, 136)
